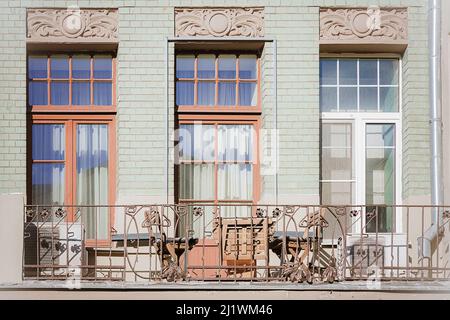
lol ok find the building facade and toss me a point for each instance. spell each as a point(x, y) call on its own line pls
point(284, 104)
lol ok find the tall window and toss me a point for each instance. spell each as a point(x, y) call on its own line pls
point(360, 105)
point(72, 148)
point(218, 110)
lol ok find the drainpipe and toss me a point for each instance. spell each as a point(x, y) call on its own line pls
point(437, 193)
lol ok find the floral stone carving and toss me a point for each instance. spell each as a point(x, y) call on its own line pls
point(219, 22)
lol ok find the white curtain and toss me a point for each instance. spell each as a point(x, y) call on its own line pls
point(92, 178)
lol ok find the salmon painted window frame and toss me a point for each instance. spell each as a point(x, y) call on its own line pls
point(67, 72)
point(84, 86)
point(194, 74)
point(224, 120)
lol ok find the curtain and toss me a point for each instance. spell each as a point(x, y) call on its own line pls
point(206, 93)
point(48, 182)
point(227, 93)
point(102, 93)
point(185, 93)
point(92, 178)
point(59, 92)
point(37, 93)
point(81, 93)
point(247, 94)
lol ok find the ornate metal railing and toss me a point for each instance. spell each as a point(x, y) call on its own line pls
point(236, 242)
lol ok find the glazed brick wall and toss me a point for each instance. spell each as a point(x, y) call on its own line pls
point(142, 77)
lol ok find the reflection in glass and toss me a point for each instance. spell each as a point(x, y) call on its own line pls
point(348, 72)
point(81, 93)
point(185, 93)
point(185, 66)
point(234, 142)
point(348, 98)
point(389, 72)
point(59, 92)
point(59, 67)
point(37, 93)
point(81, 67)
point(102, 67)
point(368, 72)
point(227, 67)
point(247, 67)
point(206, 66)
point(328, 72)
point(328, 99)
point(247, 94)
point(206, 93)
point(227, 93)
point(102, 93)
point(48, 184)
point(196, 142)
point(37, 67)
point(48, 141)
point(389, 99)
point(368, 99)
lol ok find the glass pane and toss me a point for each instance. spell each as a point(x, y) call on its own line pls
point(227, 93)
point(196, 142)
point(103, 67)
point(102, 93)
point(337, 160)
point(328, 72)
point(389, 72)
point(81, 93)
point(348, 99)
point(37, 67)
point(389, 99)
point(235, 182)
point(92, 178)
point(48, 141)
point(37, 93)
point(368, 99)
point(347, 72)
point(47, 183)
point(247, 67)
point(185, 66)
point(185, 93)
point(337, 193)
point(247, 94)
point(197, 181)
point(380, 135)
point(227, 67)
point(206, 66)
point(368, 72)
point(337, 135)
point(328, 99)
point(59, 67)
point(234, 142)
point(379, 219)
point(81, 67)
point(206, 93)
point(59, 92)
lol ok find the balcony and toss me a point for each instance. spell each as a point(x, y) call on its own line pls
point(235, 242)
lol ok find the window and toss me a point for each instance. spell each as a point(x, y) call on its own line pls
point(360, 135)
point(71, 82)
point(217, 96)
point(366, 85)
point(72, 135)
point(225, 82)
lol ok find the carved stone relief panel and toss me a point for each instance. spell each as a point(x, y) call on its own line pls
point(219, 22)
point(72, 25)
point(369, 24)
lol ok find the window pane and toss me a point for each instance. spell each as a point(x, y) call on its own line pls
point(328, 99)
point(48, 141)
point(206, 93)
point(185, 93)
point(227, 93)
point(368, 72)
point(235, 182)
point(368, 99)
point(347, 72)
point(102, 93)
point(103, 67)
point(337, 160)
point(197, 181)
point(59, 67)
point(380, 135)
point(247, 67)
point(348, 99)
point(37, 67)
point(92, 178)
point(81, 93)
point(81, 67)
point(185, 66)
point(389, 99)
point(388, 72)
point(38, 94)
point(48, 183)
point(337, 193)
point(196, 142)
point(234, 142)
point(328, 72)
point(206, 66)
point(227, 67)
point(247, 94)
point(59, 92)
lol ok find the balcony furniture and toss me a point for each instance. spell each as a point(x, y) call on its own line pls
point(242, 242)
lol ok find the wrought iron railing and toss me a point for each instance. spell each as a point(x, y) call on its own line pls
point(235, 242)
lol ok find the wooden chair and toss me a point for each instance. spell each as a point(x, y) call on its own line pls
point(243, 241)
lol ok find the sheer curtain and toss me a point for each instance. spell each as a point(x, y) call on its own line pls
point(48, 143)
point(92, 178)
point(235, 177)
